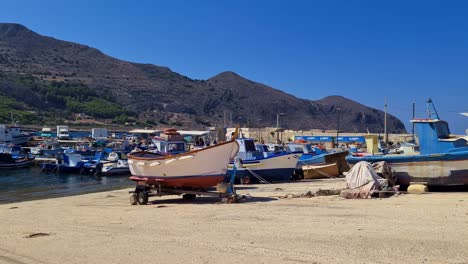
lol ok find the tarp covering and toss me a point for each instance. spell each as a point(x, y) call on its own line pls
point(363, 181)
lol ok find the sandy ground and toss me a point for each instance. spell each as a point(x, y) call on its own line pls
point(104, 228)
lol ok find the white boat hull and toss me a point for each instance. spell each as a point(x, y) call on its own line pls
point(199, 168)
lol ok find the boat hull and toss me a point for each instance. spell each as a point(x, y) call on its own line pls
point(435, 169)
point(195, 169)
point(272, 169)
point(18, 164)
point(320, 171)
point(116, 171)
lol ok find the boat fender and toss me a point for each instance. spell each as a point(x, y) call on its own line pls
point(169, 161)
point(141, 163)
point(152, 164)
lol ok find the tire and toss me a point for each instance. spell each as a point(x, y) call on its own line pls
point(189, 196)
point(142, 198)
point(245, 180)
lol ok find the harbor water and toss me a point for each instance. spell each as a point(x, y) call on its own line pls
point(31, 184)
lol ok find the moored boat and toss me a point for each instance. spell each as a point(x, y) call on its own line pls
point(7, 161)
point(11, 157)
point(13, 135)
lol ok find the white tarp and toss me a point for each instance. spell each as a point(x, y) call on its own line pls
point(362, 180)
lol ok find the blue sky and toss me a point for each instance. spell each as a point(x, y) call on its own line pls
point(364, 50)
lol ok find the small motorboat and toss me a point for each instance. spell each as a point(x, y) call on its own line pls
point(11, 157)
point(72, 163)
point(115, 168)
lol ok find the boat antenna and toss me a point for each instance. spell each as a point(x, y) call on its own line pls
point(432, 114)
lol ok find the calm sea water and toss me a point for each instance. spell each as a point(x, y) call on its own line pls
point(30, 184)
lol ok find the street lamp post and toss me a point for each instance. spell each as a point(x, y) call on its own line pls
point(278, 114)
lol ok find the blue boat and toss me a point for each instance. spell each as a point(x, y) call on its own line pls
point(12, 158)
point(72, 163)
point(442, 161)
point(260, 165)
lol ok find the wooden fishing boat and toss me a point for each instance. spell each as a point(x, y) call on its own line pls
point(321, 171)
point(200, 168)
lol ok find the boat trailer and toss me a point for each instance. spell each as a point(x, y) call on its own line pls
point(148, 187)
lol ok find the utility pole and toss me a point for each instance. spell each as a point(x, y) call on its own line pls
point(224, 119)
point(414, 113)
point(385, 122)
point(277, 121)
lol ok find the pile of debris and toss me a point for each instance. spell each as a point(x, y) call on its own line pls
point(367, 180)
point(310, 194)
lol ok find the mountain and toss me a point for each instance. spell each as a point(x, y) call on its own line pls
point(48, 80)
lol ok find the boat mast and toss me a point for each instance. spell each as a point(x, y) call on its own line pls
point(435, 114)
point(385, 122)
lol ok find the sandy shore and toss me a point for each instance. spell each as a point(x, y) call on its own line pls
point(104, 228)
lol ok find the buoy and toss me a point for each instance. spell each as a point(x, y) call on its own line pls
point(417, 188)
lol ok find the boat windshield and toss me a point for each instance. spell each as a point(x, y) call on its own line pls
point(249, 145)
point(176, 147)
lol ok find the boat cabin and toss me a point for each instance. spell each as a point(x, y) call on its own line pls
point(434, 136)
point(161, 145)
point(248, 150)
point(63, 133)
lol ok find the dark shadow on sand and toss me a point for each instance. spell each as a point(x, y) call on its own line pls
point(206, 200)
point(457, 188)
point(245, 187)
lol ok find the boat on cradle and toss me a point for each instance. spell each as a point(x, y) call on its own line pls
point(442, 158)
point(196, 169)
point(11, 157)
point(259, 165)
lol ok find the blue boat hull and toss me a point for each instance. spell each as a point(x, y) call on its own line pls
point(270, 175)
